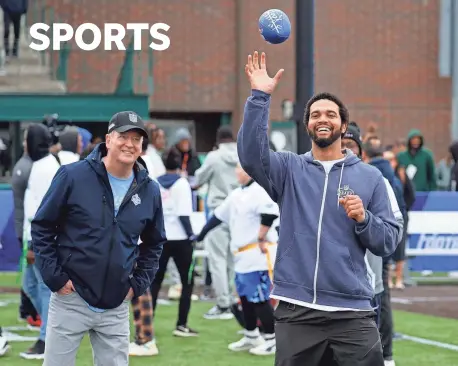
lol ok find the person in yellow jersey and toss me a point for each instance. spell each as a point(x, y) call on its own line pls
point(251, 216)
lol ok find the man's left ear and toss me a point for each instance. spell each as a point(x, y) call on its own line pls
point(343, 129)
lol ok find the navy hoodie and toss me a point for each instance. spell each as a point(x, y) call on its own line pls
point(320, 256)
point(76, 235)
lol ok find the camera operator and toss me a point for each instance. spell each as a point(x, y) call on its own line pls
point(55, 130)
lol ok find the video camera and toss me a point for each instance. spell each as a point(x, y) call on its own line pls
point(51, 122)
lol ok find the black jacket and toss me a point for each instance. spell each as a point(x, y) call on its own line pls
point(76, 236)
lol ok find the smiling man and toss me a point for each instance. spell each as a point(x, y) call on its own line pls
point(333, 208)
point(85, 237)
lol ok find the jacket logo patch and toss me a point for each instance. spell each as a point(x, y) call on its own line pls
point(345, 191)
point(136, 199)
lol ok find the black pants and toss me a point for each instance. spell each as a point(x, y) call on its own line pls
point(252, 312)
point(208, 276)
point(8, 19)
point(181, 251)
point(377, 305)
point(386, 317)
point(307, 337)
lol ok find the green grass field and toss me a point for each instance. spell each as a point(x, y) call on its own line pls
point(211, 347)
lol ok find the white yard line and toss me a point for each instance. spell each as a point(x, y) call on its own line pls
point(400, 300)
point(430, 342)
point(411, 300)
point(13, 337)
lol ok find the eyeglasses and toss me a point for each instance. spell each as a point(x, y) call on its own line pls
point(135, 139)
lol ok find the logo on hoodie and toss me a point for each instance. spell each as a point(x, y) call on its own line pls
point(136, 199)
point(345, 191)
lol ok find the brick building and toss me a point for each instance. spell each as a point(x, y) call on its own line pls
point(379, 56)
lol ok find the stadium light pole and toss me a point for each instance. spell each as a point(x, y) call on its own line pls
point(305, 32)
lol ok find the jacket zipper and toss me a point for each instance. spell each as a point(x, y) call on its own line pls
point(126, 199)
point(318, 238)
point(104, 200)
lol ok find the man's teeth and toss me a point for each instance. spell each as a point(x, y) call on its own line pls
point(323, 129)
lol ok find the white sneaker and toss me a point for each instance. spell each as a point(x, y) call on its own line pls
point(246, 343)
point(4, 346)
point(185, 331)
point(174, 292)
point(266, 349)
point(217, 313)
point(32, 328)
point(390, 363)
point(147, 349)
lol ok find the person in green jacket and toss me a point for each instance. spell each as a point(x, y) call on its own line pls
point(418, 162)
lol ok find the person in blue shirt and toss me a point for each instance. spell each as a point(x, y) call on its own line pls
point(333, 207)
point(85, 237)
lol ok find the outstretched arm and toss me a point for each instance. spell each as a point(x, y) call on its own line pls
point(209, 226)
point(221, 214)
point(266, 167)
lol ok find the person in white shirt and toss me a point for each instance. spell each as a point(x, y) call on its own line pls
point(44, 167)
point(156, 143)
point(147, 159)
point(250, 214)
point(142, 306)
point(177, 207)
point(72, 145)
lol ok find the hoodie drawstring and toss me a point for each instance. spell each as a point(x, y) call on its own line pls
point(340, 182)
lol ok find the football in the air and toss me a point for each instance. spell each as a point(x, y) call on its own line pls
point(274, 26)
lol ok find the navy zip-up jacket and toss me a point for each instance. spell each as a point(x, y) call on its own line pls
point(76, 236)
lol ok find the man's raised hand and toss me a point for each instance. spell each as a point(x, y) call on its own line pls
point(257, 74)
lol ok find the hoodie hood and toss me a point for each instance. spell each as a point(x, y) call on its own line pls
point(454, 151)
point(39, 141)
point(414, 133)
point(181, 134)
point(229, 153)
point(69, 139)
point(350, 158)
point(385, 168)
point(86, 136)
point(167, 180)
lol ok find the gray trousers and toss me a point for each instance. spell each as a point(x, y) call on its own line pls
point(70, 318)
point(220, 264)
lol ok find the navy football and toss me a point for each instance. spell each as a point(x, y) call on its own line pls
point(274, 26)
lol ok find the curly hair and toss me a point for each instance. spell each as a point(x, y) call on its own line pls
point(343, 111)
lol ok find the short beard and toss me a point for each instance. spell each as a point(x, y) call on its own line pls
point(324, 142)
